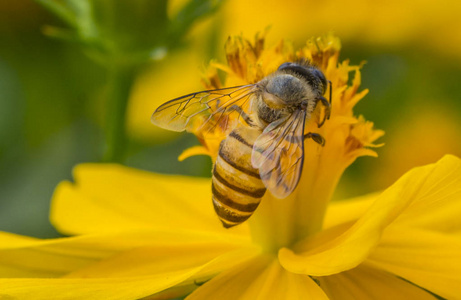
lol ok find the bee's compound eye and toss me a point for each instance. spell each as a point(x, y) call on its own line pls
point(317, 73)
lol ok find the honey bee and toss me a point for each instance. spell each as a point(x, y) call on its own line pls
point(263, 123)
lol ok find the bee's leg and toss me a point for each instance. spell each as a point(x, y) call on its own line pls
point(327, 109)
point(243, 114)
point(316, 138)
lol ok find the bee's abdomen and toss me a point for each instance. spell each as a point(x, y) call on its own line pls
point(237, 188)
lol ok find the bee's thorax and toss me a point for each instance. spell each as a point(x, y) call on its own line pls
point(283, 93)
point(288, 88)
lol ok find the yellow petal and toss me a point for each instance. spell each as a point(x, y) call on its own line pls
point(111, 197)
point(118, 276)
point(431, 260)
point(174, 292)
point(88, 289)
point(232, 284)
point(260, 278)
point(439, 206)
point(53, 258)
point(220, 264)
point(365, 282)
point(438, 210)
point(348, 210)
point(8, 240)
point(351, 247)
point(58, 257)
point(277, 283)
point(192, 151)
point(163, 258)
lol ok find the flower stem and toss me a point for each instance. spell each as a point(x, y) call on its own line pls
point(121, 80)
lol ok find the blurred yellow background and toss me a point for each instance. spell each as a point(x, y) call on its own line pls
point(51, 104)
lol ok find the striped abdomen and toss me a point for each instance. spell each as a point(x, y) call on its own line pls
point(236, 186)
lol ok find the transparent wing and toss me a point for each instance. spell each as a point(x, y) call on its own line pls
point(204, 111)
point(278, 153)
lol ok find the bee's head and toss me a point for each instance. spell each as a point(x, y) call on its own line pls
point(313, 76)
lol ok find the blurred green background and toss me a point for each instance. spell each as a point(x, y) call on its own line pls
point(54, 91)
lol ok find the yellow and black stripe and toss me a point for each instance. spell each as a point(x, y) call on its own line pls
point(236, 186)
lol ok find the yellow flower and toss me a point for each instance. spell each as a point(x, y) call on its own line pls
point(347, 137)
point(139, 234)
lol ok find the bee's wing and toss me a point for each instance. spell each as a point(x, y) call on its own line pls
point(278, 153)
point(204, 111)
